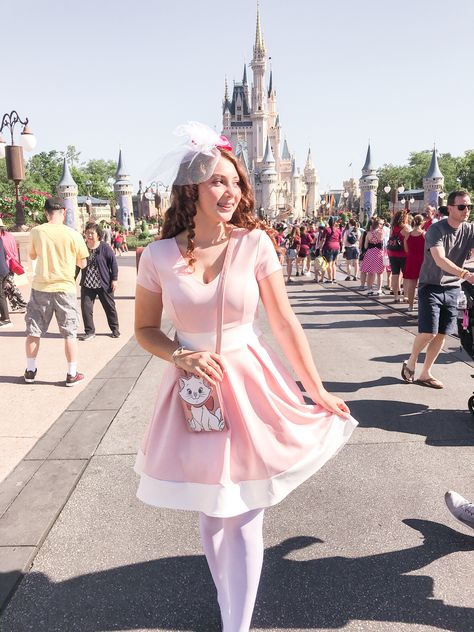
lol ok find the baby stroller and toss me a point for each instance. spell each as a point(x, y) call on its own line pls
point(466, 324)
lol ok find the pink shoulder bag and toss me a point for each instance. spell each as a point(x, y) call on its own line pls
point(201, 400)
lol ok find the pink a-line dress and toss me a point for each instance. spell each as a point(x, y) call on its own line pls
point(274, 440)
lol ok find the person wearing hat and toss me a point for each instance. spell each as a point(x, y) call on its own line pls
point(58, 249)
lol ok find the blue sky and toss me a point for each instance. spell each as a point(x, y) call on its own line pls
point(99, 75)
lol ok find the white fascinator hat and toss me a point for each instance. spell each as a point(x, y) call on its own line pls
point(194, 159)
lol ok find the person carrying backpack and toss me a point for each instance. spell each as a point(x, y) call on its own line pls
point(351, 250)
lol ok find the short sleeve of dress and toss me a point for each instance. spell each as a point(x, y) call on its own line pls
point(267, 259)
point(147, 273)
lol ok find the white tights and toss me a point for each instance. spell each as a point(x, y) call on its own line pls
point(234, 553)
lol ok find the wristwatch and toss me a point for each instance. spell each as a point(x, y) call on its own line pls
point(464, 272)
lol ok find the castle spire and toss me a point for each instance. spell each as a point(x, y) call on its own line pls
point(226, 91)
point(244, 78)
point(66, 178)
point(368, 161)
point(270, 85)
point(259, 47)
point(434, 171)
point(268, 158)
point(309, 162)
point(285, 154)
point(121, 172)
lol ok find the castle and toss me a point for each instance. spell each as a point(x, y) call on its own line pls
point(252, 124)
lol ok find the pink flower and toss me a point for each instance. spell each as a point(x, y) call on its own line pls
point(224, 144)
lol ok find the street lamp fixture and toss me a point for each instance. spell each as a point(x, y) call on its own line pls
point(345, 195)
point(13, 155)
point(394, 191)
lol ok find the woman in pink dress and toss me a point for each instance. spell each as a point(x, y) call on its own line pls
point(414, 245)
point(372, 263)
point(273, 441)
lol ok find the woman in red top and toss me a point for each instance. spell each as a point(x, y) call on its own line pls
point(304, 261)
point(396, 251)
point(331, 248)
point(414, 244)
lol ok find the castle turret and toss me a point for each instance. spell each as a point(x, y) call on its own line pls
point(259, 92)
point(123, 193)
point(433, 182)
point(312, 186)
point(67, 190)
point(268, 179)
point(296, 192)
point(368, 186)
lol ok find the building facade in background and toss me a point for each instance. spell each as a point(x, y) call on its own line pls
point(252, 124)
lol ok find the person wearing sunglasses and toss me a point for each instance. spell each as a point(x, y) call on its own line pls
point(447, 246)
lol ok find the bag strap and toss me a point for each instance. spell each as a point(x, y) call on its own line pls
point(221, 291)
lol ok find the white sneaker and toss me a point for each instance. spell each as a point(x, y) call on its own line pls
point(460, 508)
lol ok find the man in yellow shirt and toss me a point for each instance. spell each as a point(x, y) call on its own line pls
point(58, 249)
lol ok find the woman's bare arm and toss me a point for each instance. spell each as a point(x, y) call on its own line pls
point(150, 336)
point(148, 314)
point(290, 335)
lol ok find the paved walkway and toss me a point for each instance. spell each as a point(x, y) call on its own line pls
point(28, 412)
point(365, 544)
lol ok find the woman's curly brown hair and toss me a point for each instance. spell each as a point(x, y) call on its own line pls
point(400, 218)
point(180, 215)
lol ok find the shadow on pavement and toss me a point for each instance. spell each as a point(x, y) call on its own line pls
point(448, 357)
point(177, 594)
point(372, 323)
point(449, 427)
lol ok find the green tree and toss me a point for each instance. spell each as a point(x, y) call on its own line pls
point(466, 171)
point(99, 174)
point(457, 171)
point(43, 172)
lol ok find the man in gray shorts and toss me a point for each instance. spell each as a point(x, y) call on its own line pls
point(58, 249)
point(447, 246)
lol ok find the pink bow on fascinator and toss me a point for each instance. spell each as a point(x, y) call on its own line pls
point(225, 143)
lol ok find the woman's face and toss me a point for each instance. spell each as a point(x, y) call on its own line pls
point(219, 196)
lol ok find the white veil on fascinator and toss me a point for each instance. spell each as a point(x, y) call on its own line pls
point(194, 160)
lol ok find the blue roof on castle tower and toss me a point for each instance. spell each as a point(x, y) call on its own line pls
point(294, 171)
point(285, 154)
point(268, 157)
point(121, 173)
point(434, 171)
point(270, 85)
point(66, 178)
point(239, 89)
point(368, 161)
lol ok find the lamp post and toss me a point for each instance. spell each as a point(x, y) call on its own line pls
point(345, 195)
point(407, 202)
point(395, 191)
point(13, 155)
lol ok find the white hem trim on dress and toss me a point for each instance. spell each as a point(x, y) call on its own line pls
point(233, 499)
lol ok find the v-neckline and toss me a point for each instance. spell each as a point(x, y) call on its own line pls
point(193, 275)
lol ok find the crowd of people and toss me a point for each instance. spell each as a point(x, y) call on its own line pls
point(277, 439)
point(385, 256)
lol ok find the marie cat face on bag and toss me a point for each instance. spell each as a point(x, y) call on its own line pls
point(193, 390)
